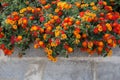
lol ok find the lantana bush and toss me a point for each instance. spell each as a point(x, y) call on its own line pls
point(59, 27)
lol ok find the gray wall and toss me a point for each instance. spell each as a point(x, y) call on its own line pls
point(79, 66)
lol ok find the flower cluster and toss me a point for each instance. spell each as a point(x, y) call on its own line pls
point(59, 27)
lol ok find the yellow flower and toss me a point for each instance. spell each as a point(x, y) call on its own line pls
point(92, 4)
point(7, 21)
point(51, 58)
point(61, 4)
point(57, 10)
point(14, 13)
point(114, 44)
point(109, 53)
point(14, 27)
point(109, 27)
point(45, 36)
point(19, 21)
point(23, 10)
point(95, 8)
point(49, 52)
point(86, 5)
point(82, 5)
point(21, 15)
point(57, 33)
point(29, 8)
point(77, 41)
point(63, 36)
point(53, 44)
point(58, 27)
point(46, 50)
point(99, 28)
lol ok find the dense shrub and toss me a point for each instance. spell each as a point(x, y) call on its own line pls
point(59, 27)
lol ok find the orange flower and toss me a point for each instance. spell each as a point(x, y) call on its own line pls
point(57, 10)
point(36, 46)
point(63, 36)
point(77, 22)
point(84, 35)
point(78, 4)
point(100, 49)
point(90, 44)
point(41, 43)
point(45, 36)
point(70, 50)
point(106, 36)
point(49, 28)
point(8, 52)
point(47, 6)
point(41, 30)
point(109, 41)
point(19, 38)
point(42, 1)
point(55, 17)
point(109, 53)
point(78, 36)
point(95, 8)
point(100, 44)
point(34, 28)
point(85, 44)
point(24, 21)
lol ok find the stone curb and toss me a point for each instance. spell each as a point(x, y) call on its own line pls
point(115, 59)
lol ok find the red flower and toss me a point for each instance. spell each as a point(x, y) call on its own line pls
point(82, 14)
point(0, 29)
point(60, 13)
point(77, 29)
point(57, 41)
point(5, 4)
point(12, 40)
point(104, 28)
point(100, 2)
point(102, 19)
point(35, 34)
point(16, 17)
point(24, 21)
point(2, 46)
point(62, 32)
point(95, 30)
point(66, 46)
point(41, 19)
point(50, 40)
point(58, 20)
point(119, 41)
point(1, 35)
point(102, 14)
point(31, 17)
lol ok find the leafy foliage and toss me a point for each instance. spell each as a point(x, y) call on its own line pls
point(59, 26)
